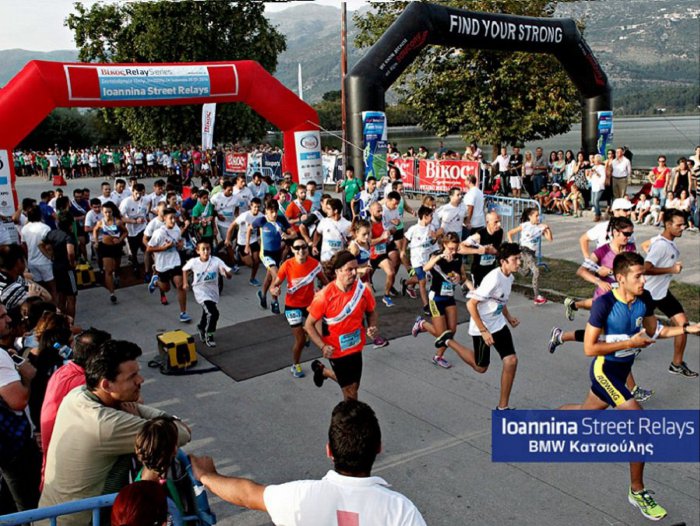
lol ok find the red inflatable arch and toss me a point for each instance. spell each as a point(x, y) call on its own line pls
point(42, 86)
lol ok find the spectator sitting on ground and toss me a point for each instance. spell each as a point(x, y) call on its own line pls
point(348, 491)
point(142, 503)
point(574, 202)
point(81, 461)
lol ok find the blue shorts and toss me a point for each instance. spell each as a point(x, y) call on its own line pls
point(420, 273)
point(608, 380)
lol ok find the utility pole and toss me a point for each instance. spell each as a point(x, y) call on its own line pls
point(343, 72)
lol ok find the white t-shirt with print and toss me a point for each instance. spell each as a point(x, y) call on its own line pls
point(167, 259)
point(530, 235)
point(33, 234)
point(334, 236)
point(452, 217)
point(338, 499)
point(421, 244)
point(662, 253)
point(475, 198)
point(243, 221)
point(242, 199)
point(132, 209)
point(225, 206)
point(153, 225)
point(205, 281)
point(493, 294)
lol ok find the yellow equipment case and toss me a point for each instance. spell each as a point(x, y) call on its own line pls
point(84, 276)
point(177, 351)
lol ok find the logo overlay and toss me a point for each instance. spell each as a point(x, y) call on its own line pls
point(595, 436)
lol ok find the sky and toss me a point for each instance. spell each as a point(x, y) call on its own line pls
point(37, 25)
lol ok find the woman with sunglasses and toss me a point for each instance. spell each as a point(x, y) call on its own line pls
point(301, 273)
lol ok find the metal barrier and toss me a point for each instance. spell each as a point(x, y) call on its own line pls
point(511, 209)
point(93, 504)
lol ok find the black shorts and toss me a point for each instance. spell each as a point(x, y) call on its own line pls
point(271, 258)
point(398, 235)
point(296, 316)
point(391, 247)
point(377, 261)
point(109, 251)
point(65, 281)
point(608, 380)
point(502, 341)
point(348, 369)
point(240, 249)
point(669, 305)
point(438, 305)
point(167, 276)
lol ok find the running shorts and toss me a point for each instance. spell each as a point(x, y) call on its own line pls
point(608, 380)
point(271, 259)
point(438, 305)
point(502, 341)
point(166, 276)
point(348, 369)
point(669, 305)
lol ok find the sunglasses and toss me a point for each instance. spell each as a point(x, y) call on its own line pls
point(626, 234)
point(300, 247)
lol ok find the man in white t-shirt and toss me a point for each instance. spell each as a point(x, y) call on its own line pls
point(348, 494)
point(258, 187)
point(134, 212)
point(38, 260)
point(225, 204)
point(488, 326)
point(247, 249)
point(621, 172)
point(474, 201)
point(242, 195)
point(661, 263)
point(120, 192)
point(452, 214)
point(334, 231)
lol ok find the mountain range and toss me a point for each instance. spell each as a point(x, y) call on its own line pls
point(642, 44)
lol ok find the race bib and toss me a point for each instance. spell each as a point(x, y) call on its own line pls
point(349, 340)
point(487, 260)
point(499, 310)
point(380, 249)
point(447, 289)
point(293, 316)
point(334, 244)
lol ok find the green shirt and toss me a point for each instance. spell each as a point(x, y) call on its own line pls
point(352, 188)
point(205, 212)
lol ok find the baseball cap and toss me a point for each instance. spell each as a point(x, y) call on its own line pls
point(621, 204)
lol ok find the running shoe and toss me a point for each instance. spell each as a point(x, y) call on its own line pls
point(417, 327)
point(317, 367)
point(163, 299)
point(147, 278)
point(209, 341)
point(540, 300)
point(386, 300)
point(412, 293)
point(185, 318)
point(646, 504)
point(681, 370)
point(642, 395)
point(441, 362)
point(441, 341)
point(113, 299)
point(554, 339)
point(275, 307)
point(404, 287)
point(262, 299)
point(235, 269)
point(254, 282)
point(296, 371)
point(201, 333)
point(152, 284)
point(379, 342)
point(570, 308)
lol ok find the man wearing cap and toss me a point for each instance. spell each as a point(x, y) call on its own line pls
point(621, 172)
point(621, 207)
point(342, 306)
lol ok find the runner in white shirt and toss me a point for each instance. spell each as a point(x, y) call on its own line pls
point(661, 263)
point(33, 235)
point(206, 270)
point(153, 225)
point(451, 215)
point(421, 243)
point(119, 193)
point(353, 498)
point(156, 197)
point(165, 245)
point(134, 211)
point(224, 203)
point(368, 195)
point(258, 187)
point(106, 193)
point(242, 195)
point(247, 249)
point(487, 306)
point(334, 231)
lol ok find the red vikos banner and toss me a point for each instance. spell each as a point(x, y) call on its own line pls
point(407, 167)
point(236, 162)
point(440, 176)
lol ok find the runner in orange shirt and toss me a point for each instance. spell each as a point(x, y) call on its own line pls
point(301, 272)
point(341, 308)
point(298, 210)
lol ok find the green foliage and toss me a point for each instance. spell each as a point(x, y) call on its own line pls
point(331, 95)
point(186, 31)
point(492, 97)
point(636, 100)
point(329, 112)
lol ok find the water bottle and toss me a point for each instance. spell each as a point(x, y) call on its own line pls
point(64, 351)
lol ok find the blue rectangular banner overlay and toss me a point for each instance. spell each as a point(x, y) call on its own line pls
point(595, 436)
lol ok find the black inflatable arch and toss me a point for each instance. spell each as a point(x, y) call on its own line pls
point(424, 24)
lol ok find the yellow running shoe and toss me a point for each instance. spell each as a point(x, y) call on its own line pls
point(646, 504)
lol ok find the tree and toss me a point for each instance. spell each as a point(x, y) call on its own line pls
point(492, 97)
point(186, 31)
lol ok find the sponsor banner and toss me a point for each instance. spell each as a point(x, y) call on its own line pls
point(595, 436)
point(374, 136)
point(273, 163)
point(236, 162)
point(308, 152)
point(605, 131)
point(407, 167)
point(153, 82)
point(208, 118)
point(7, 202)
point(440, 176)
point(329, 164)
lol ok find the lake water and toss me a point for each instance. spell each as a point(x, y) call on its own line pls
point(646, 137)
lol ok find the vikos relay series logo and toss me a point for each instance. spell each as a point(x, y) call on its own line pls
point(310, 142)
point(595, 436)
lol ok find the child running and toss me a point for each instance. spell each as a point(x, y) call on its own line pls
point(421, 237)
point(205, 285)
point(531, 232)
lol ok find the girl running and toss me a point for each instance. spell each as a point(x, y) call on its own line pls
point(531, 232)
point(110, 233)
